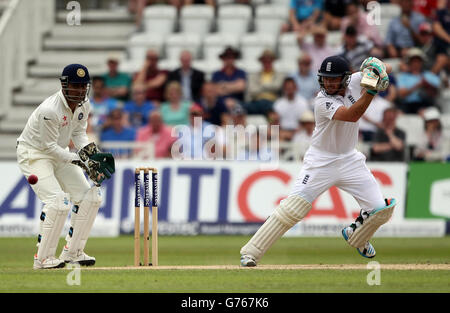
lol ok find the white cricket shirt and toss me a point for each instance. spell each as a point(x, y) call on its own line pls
point(332, 136)
point(51, 126)
point(290, 111)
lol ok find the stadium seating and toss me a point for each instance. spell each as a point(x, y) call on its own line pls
point(389, 10)
point(177, 42)
point(234, 19)
point(214, 44)
point(196, 18)
point(269, 18)
point(253, 44)
point(412, 125)
point(160, 19)
point(288, 46)
point(140, 43)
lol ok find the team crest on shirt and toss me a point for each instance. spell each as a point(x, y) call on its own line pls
point(80, 116)
point(328, 104)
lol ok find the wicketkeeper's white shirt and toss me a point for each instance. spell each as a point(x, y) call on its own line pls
point(52, 125)
point(330, 136)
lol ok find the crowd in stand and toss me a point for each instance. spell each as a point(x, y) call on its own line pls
point(146, 106)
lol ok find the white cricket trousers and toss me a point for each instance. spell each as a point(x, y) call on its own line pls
point(348, 172)
point(53, 176)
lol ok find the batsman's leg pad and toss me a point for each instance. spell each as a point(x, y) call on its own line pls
point(53, 218)
point(82, 220)
point(377, 217)
point(290, 211)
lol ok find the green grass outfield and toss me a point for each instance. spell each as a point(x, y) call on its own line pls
point(336, 267)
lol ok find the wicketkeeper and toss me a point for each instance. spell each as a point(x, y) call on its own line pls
point(332, 160)
point(42, 150)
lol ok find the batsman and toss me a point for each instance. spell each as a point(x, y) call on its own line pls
point(42, 150)
point(332, 160)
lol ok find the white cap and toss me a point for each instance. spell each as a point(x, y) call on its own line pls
point(431, 114)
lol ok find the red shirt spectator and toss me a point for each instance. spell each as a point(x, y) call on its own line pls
point(425, 7)
point(159, 134)
point(152, 77)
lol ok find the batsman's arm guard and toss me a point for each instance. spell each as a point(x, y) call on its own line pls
point(376, 219)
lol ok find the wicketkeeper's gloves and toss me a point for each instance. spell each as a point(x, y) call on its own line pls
point(97, 165)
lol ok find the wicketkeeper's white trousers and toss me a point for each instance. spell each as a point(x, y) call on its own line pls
point(53, 176)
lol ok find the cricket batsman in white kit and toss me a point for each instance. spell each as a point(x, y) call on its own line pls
point(42, 150)
point(332, 160)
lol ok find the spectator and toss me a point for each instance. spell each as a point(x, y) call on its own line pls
point(214, 110)
point(305, 78)
point(441, 29)
point(355, 50)
point(425, 7)
point(303, 14)
point(334, 12)
point(118, 132)
point(175, 111)
point(158, 134)
point(137, 110)
point(417, 88)
point(236, 137)
point(357, 18)
point(372, 118)
point(426, 44)
point(403, 30)
point(265, 85)
point(391, 93)
point(117, 84)
point(231, 81)
point(290, 107)
point(101, 104)
point(432, 146)
point(152, 78)
point(258, 148)
point(197, 141)
point(303, 136)
point(389, 141)
point(318, 49)
point(273, 120)
point(190, 79)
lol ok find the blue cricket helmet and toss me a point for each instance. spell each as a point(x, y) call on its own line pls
point(335, 66)
point(75, 74)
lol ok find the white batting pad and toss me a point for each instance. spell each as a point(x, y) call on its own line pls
point(55, 216)
point(82, 219)
point(376, 218)
point(290, 211)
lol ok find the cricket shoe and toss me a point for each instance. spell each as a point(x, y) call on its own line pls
point(248, 261)
point(50, 262)
point(368, 251)
point(80, 258)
